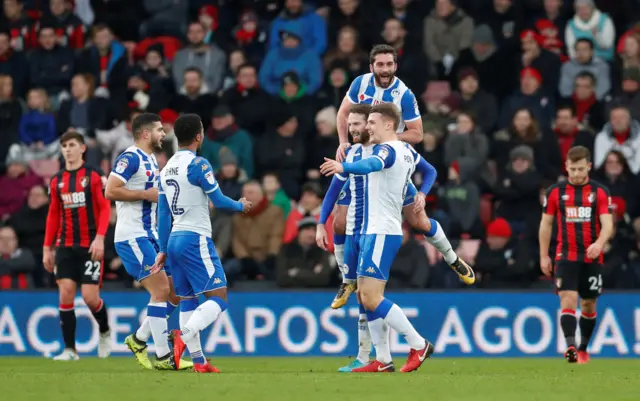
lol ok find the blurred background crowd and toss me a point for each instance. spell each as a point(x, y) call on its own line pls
point(505, 87)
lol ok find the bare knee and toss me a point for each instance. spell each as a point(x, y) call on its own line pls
point(91, 296)
point(67, 291)
point(568, 299)
point(161, 293)
point(369, 299)
point(588, 306)
point(417, 220)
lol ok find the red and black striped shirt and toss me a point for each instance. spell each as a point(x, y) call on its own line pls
point(577, 210)
point(78, 210)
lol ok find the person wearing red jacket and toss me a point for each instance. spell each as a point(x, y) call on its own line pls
point(77, 223)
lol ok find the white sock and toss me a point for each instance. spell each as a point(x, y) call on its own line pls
point(202, 317)
point(364, 339)
point(442, 244)
point(380, 338)
point(158, 325)
point(194, 345)
point(338, 252)
point(399, 322)
point(144, 331)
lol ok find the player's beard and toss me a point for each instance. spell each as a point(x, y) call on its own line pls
point(379, 76)
point(360, 136)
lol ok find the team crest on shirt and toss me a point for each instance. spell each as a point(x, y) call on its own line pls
point(122, 165)
point(60, 185)
point(204, 167)
point(84, 181)
point(558, 282)
point(395, 93)
point(209, 177)
point(343, 195)
point(592, 197)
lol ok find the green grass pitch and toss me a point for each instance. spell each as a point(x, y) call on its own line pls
point(311, 379)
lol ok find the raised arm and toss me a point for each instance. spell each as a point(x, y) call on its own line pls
point(330, 198)
point(200, 173)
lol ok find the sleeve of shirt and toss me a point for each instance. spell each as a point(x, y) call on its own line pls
point(125, 166)
point(104, 205)
point(164, 221)
point(386, 154)
point(343, 177)
point(550, 203)
point(53, 217)
point(354, 89)
point(200, 174)
point(409, 105)
point(604, 201)
point(428, 172)
point(330, 198)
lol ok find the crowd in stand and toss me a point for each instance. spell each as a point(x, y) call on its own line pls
point(506, 87)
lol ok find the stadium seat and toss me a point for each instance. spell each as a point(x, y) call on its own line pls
point(170, 46)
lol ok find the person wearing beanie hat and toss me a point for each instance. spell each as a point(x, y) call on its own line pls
point(482, 103)
point(251, 36)
point(550, 35)
point(534, 56)
point(591, 23)
point(531, 96)
point(229, 175)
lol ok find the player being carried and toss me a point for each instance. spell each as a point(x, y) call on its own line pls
point(582, 209)
point(187, 184)
point(133, 184)
point(384, 180)
point(76, 225)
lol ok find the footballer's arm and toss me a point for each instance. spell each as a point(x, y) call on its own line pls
point(116, 191)
point(341, 123)
point(414, 133)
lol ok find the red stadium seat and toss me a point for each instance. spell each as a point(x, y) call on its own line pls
point(170, 44)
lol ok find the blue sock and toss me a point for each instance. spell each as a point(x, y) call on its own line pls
point(338, 239)
point(170, 308)
point(434, 228)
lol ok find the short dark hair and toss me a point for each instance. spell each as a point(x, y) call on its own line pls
point(361, 108)
point(388, 111)
point(584, 40)
point(142, 122)
point(382, 49)
point(567, 106)
point(245, 65)
point(586, 74)
point(70, 136)
point(192, 69)
point(187, 128)
point(578, 153)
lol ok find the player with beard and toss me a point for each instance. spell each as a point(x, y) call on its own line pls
point(413, 209)
point(133, 184)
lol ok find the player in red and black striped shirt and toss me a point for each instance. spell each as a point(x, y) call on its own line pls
point(582, 210)
point(76, 225)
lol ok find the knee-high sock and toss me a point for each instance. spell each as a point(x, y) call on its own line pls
point(157, 315)
point(144, 331)
point(439, 240)
point(364, 337)
point(68, 325)
point(338, 252)
point(397, 320)
point(187, 307)
point(101, 316)
point(379, 337)
point(170, 308)
point(568, 323)
point(587, 324)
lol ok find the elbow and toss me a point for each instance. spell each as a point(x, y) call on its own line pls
point(108, 193)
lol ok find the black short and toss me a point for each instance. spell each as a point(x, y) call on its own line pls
point(76, 264)
point(586, 278)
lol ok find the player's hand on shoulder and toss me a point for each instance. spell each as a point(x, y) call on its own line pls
point(341, 153)
point(546, 265)
point(331, 167)
point(151, 195)
point(246, 205)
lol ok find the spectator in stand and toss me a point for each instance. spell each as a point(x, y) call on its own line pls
point(107, 61)
point(412, 63)
point(16, 264)
point(552, 16)
point(29, 224)
point(155, 78)
point(309, 205)
point(282, 151)
point(592, 24)
point(70, 30)
point(291, 56)
point(294, 96)
point(353, 13)
point(460, 199)
point(275, 194)
point(229, 174)
point(433, 153)
point(629, 94)
point(122, 15)
point(525, 130)
point(466, 148)
point(313, 29)
point(409, 13)
point(14, 64)
point(37, 130)
point(621, 133)
point(51, 65)
point(301, 263)
point(16, 182)
point(116, 140)
point(323, 144)
point(546, 63)
point(550, 38)
point(166, 17)
point(589, 110)
point(209, 59)
point(486, 59)
point(237, 58)
point(195, 96)
point(530, 96)
point(570, 133)
point(84, 112)
point(250, 36)
point(447, 31)
point(410, 268)
point(474, 98)
point(257, 236)
point(248, 102)
point(585, 61)
point(349, 52)
point(335, 87)
point(221, 232)
point(170, 142)
point(224, 133)
point(20, 25)
point(518, 188)
point(505, 20)
point(619, 180)
point(628, 58)
point(10, 113)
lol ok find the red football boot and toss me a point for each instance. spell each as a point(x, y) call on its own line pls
point(583, 357)
point(205, 368)
point(571, 354)
point(376, 367)
point(417, 357)
point(178, 346)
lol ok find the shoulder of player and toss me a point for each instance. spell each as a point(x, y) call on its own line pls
point(598, 185)
point(199, 162)
point(556, 186)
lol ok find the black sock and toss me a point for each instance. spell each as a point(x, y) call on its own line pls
point(568, 322)
point(587, 324)
point(101, 317)
point(68, 325)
